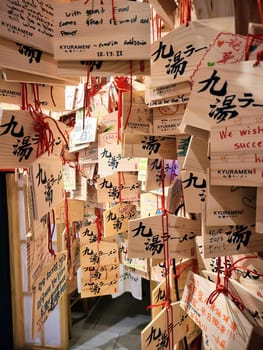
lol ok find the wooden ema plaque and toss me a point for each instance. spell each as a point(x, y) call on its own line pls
point(119, 186)
point(98, 253)
point(38, 255)
point(237, 153)
point(28, 22)
point(239, 209)
point(194, 190)
point(131, 282)
point(158, 331)
point(154, 173)
point(47, 184)
point(95, 31)
point(115, 219)
point(228, 48)
point(99, 280)
point(222, 321)
point(147, 236)
point(231, 240)
point(175, 56)
point(223, 94)
point(48, 288)
point(252, 302)
point(20, 140)
point(152, 147)
point(10, 92)
point(30, 59)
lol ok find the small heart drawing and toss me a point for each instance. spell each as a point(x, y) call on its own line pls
point(220, 43)
point(210, 64)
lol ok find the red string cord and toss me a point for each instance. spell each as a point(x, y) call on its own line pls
point(86, 101)
point(46, 138)
point(130, 107)
point(223, 287)
point(260, 10)
point(185, 11)
point(250, 41)
point(113, 11)
point(51, 95)
point(35, 88)
point(123, 86)
point(99, 226)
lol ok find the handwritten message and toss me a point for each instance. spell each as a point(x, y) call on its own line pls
point(239, 209)
point(251, 302)
point(29, 22)
point(102, 31)
point(129, 282)
point(237, 154)
point(222, 321)
point(38, 255)
point(232, 239)
point(48, 288)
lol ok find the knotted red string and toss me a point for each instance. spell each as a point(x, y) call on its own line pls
point(46, 138)
point(164, 303)
point(122, 85)
point(185, 11)
point(223, 287)
point(51, 231)
point(99, 226)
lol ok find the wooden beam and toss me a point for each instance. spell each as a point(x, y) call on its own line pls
point(166, 10)
point(246, 11)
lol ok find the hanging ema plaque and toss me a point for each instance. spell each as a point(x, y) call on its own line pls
point(92, 30)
